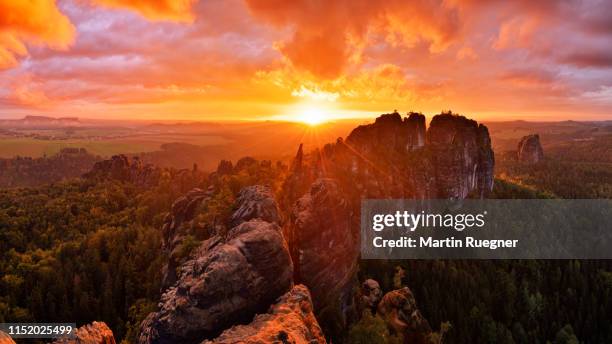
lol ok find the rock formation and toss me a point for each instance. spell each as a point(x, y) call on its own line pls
point(290, 320)
point(229, 279)
point(399, 309)
point(120, 167)
point(391, 132)
point(462, 156)
point(255, 202)
point(390, 158)
point(94, 333)
point(6, 339)
point(530, 150)
point(325, 251)
point(371, 294)
point(177, 225)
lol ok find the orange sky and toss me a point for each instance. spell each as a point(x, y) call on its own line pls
point(262, 59)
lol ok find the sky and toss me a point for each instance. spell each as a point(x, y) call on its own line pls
point(305, 60)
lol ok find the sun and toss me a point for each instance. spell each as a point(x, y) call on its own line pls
point(312, 115)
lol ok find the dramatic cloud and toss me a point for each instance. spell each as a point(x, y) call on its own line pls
point(179, 10)
point(260, 58)
point(330, 34)
point(37, 22)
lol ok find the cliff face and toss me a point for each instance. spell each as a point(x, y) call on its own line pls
point(290, 320)
point(391, 158)
point(461, 155)
point(229, 278)
point(325, 250)
point(530, 150)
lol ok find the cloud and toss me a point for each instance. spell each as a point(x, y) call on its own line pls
point(597, 58)
point(36, 22)
point(328, 35)
point(174, 10)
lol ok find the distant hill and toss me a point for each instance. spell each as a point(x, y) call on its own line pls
point(40, 122)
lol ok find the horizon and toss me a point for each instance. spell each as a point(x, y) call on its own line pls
point(258, 60)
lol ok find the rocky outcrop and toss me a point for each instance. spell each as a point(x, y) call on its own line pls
point(390, 131)
point(255, 202)
point(229, 278)
point(461, 155)
point(530, 150)
point(399, 309)
point(94, 333)
point(393, 157)
point(290, 320)
point(225, 167)
point(325, 251)
point(177, 225)
point(371, 294)
point(6, 339)
point(121, 168)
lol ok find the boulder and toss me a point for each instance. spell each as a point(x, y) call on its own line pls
point(399, 309)
point(255, 202)
point(371, 294)
point(228, 279)
point(94, 333)
point(290, 320)
point(6, 339)
point(530, 150)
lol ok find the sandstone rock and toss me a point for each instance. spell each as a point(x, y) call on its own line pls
point(399, 309)
point(6, 339)
point(229, 279)
point(225, 167)
point(176, 226)
point(390, 131)
point(255, 202)
point(244, 163)
point(326, 251)
point(462, 156)
point(290, 320)
point(94, 333)
point(121, 168)
point(371, 294)
point(530, 150)
point(390, 158)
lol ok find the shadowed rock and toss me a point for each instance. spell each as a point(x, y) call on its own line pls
point(326, 251)
point(229, 278)
point(399, 309)
point(290, 320)
point(255, 202)
point(371, 294)
point(530, 150)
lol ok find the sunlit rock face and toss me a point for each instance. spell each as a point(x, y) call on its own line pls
point(228, 279)
point(530, 150)
point(399, 309)
point(94, 333)
point(6, 339)
point(289, 320)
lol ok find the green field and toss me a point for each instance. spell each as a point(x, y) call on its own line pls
point(29, 147)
